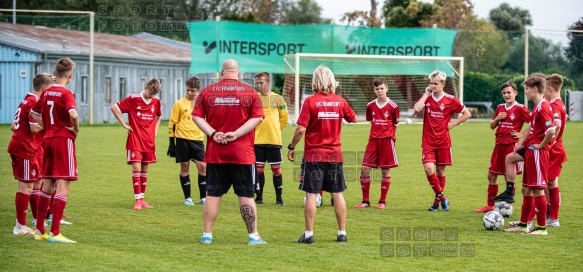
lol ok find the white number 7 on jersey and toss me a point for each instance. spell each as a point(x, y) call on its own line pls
point(52, 103)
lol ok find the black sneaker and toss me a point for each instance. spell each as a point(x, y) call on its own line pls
point(310, 240)
point(280, 203)
point(504, 197)
point(341, 238)
point(258, 201)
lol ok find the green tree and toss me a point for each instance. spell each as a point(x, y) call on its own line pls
point(484, 49)
point(361, 18)
point(452, 14)
point(543, 55)
point(507, 18)
point(303, 12)
point(575, 52)
point(405, 13)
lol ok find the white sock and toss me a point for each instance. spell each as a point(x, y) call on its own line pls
point(254, 235)
point(308, 234)
point(207, 234)
point(341, 232)
point(137, 196)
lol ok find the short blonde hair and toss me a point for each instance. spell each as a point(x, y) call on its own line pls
point(439, 75)
point(555, 81)
point(41, 80)
point(323, 80)
point(154, 85)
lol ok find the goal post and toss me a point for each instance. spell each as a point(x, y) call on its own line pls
point(407, 77)
point(91, 16)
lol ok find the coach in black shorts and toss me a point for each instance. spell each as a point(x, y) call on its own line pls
point(228, 112)
point(321, 121)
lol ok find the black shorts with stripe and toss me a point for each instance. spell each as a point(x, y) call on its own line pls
point(189, 150)
point(328, 176)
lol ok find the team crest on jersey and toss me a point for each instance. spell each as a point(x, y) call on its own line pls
point(152, 109)
point(373, 113)
point(274, 104)
point(33, 173)
point(386, 114)
point(512, 116)
point(133, 155)
point(442, 106)
point(139, 113)
point(548, 123)
point(556, 114)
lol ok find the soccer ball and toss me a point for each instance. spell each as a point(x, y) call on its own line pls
point(493, 220)
point(408, 121)
point(318, 200)
point(504, 208)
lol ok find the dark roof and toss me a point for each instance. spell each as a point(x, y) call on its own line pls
point(72, 42)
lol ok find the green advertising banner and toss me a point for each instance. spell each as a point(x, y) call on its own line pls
point(259, 47)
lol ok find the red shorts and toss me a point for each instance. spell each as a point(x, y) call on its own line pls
point(39, 158)
point(557, 154)
point(380, 153)
point(535, 168)
point(554, 171)
point(440, 156)
point(498, 159)
point(141, 157)
point(60, 159)
point(25, 170)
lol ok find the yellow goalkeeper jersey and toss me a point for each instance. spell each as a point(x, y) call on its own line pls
point(276, 117)
point(182, 118)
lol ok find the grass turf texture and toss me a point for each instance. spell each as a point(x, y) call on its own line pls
point(112, 236)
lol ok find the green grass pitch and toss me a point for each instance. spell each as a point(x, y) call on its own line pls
point(111, 236)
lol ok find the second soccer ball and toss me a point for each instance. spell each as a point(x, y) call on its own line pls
point(318, 200)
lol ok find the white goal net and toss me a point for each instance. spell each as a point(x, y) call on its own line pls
point(406, 77)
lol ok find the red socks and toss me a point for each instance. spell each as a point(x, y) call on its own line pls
point(44, 201)
point(59, 203)
point(143, 179)
point(441, 182)
point(21, 203)
point(541, 210)
point(492, 192)
point(137, 184)
point(385, 184)
point(527, 207)
point(555, 202)
point(434, 182)
point(34, 201)
point(365, 186)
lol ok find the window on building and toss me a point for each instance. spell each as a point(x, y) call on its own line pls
point(122, 88)
point(108, 89)
point(84, 88)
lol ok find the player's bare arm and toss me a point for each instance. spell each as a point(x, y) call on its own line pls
point(418, 107)
point(465, 116)
point(37, 118)
point(217, 136)
point(298, 135)
point(244, 129)
point(157, 125)
point(496, 120)
point(548, 136)
point(518, 134)
point(74, 116)
point(117, 115)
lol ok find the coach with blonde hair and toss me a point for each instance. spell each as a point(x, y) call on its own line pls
point(321, 121)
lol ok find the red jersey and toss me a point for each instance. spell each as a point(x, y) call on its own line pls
point(438, 113)
point(322, 116)
point(226, 106)
point(24, 143)
point(516, 116)
point(383, 119)
point(560, 114)
point(142, 119)
point(54, 106)
point(542, 121)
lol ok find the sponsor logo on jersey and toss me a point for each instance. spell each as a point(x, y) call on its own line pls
point(328, 115)
point(548, 123)
point(139, 113)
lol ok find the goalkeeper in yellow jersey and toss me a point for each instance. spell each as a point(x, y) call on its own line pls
point(186, 141)
point(268, 138)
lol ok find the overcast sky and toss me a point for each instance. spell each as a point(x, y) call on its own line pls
point(546, 14)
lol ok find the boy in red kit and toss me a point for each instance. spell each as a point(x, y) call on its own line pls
point(436, 142)
point(56, 112)
point(536, 157)
point(380, 151)
point(144, 113)
point(557, 154)
point(508, 120)
point(24, 149)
